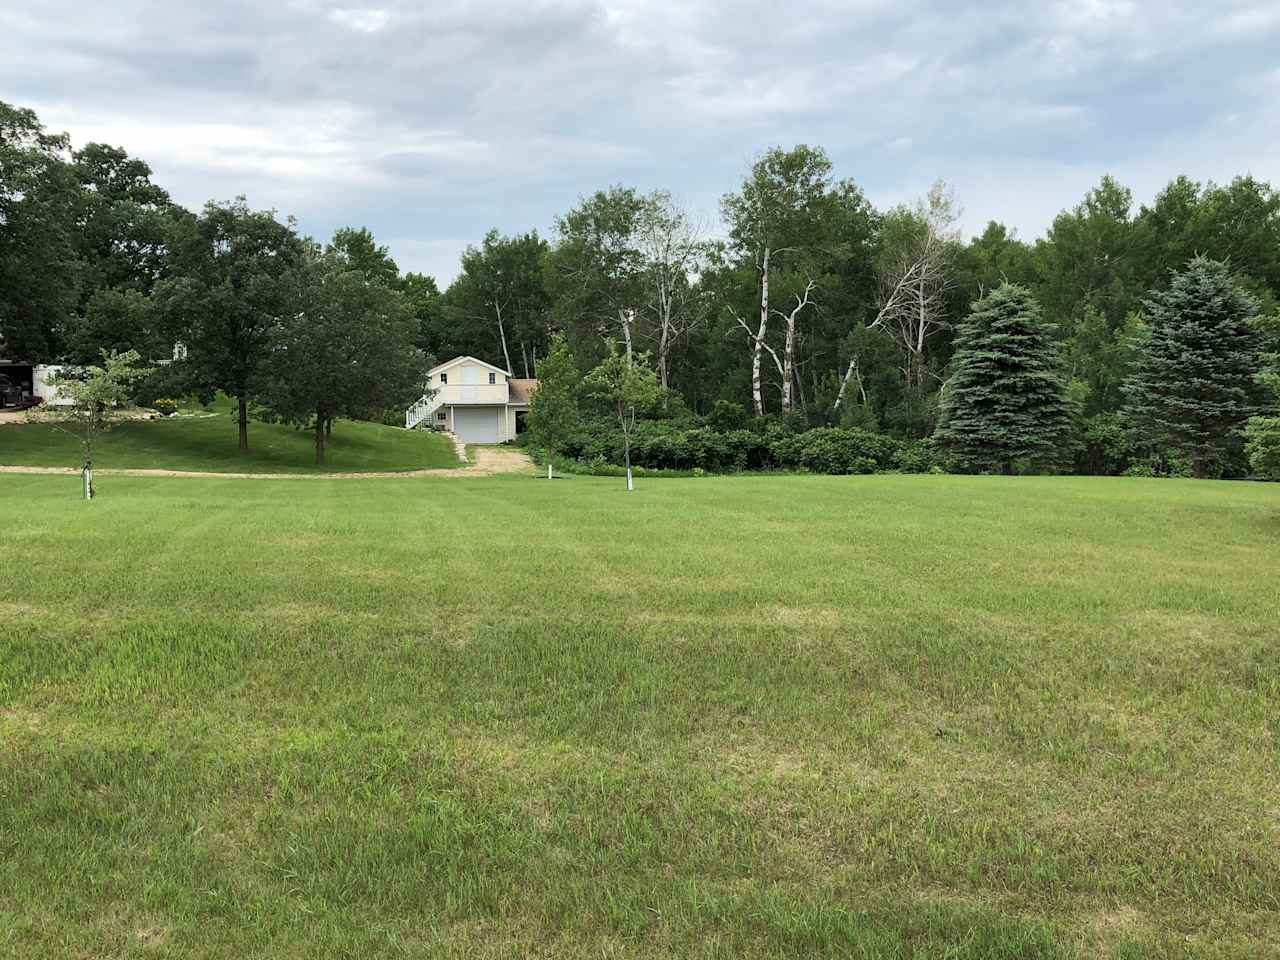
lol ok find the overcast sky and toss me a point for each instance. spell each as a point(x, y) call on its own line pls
point(430, 122)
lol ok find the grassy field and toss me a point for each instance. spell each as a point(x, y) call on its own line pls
point(208, 442)
point(735, 717)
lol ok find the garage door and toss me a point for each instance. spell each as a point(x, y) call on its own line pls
point(476, 424)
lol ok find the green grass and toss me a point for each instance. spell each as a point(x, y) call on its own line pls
point(879, 716)
point(208, 442)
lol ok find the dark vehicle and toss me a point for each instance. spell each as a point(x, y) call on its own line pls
point(10, 392)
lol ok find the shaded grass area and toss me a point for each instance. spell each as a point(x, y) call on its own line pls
point(874, 717)
point(208, 442)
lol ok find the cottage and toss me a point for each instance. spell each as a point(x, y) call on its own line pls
point(474, 400)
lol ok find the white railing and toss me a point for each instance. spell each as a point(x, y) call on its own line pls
point(424, 408)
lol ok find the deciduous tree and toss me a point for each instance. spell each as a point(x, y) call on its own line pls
point(39, 266)
point(346, 351)
point(89, 402)
point(774, 222)
point(553, 410)
point(502, 287)
point(232, 284)
point(626, 383)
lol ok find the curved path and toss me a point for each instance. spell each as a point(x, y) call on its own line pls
point(490, 461)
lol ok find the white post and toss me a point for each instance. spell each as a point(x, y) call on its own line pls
point(630, 485)
point(87, 475)
point(548, 468)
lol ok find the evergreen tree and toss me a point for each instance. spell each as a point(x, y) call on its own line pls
point(1263, 432)
point(1006, 402)
point(1193, 389)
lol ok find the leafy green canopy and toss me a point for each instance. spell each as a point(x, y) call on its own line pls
point(1006, 403)
point(347, 351)
point(553, 410)
point(1193, 388)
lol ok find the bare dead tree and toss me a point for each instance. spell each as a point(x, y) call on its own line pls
point(916, 281)
point(671, 247)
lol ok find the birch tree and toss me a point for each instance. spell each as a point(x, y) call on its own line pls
point(771, 224)
point(672, 251)
point(916, 278)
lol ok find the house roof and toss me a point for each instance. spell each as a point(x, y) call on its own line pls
point(456, 360)
point(521, 389)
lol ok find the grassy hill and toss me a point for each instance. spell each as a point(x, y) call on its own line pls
point(206, 440)
point(724, 717)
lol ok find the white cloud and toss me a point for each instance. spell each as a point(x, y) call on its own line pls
point(362, 21)
point(432, 123)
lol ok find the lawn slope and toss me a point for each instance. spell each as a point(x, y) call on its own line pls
point(877, 717)
point(208, 443)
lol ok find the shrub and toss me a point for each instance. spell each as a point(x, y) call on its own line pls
point(668, 445)
point(1104, 445)
point(726, 415)
point(916, 456)
point(834, 450)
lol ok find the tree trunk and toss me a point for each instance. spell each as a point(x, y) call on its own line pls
point(244, 423)
point(788, 362)
point(320, 422)
point(626, 443)
point(502, 332)
point(757, 397)
point(524, 355)
point(86, 474)
point(664, 347)
point(624, 317)
point(328, 429)
point(549, 461)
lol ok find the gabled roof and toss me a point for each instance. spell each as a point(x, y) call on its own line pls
point(456, 360)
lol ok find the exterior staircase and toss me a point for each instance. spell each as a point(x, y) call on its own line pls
point(422, 410)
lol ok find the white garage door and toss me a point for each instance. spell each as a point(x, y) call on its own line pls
point(476, 424)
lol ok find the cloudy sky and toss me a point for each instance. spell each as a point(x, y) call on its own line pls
point(430, 122)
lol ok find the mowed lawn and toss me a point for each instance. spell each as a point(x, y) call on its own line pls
point(880, 717)
point(208, 443)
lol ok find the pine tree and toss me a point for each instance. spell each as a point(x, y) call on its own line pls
point(1193, 390)
point(1006, 402)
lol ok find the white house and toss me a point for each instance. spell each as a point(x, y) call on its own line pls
point(474, 400)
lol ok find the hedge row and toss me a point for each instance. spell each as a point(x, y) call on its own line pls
point(663, 446)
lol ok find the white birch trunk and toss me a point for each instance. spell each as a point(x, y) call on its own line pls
point(757, 397)
point(506, 357)
point(624, 318)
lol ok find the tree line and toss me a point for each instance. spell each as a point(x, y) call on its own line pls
point(804, 305)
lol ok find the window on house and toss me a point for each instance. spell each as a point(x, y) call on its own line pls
point(440, 415)
point(492, 377)
point(444, 378)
